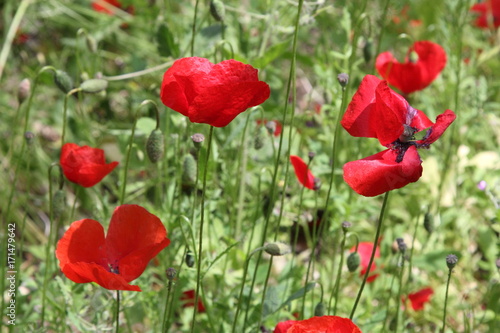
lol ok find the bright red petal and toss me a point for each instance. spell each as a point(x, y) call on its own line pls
point(442, 122)
point(97, 6)
point(82, 272)
point(379, 173)
point(283, 326)
point(304, 175)
point(487, 10)
point(188, 298)
point(421, 297)
point(134, 237)
point(365, 251)
point(324, 324)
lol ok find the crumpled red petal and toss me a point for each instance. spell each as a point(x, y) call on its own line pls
point(412, 76)
point(379, 173)
point(324, 324)
point(442, 122)
point(304, 175)
point(487, 10)
point(419, 298)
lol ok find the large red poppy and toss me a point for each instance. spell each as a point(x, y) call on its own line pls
point(487, 10)
point(419, 298)
point(376, 111)
point(134, 237)
point(212, 93)
point(323, 324)
point(365, 251)
point(411, 76)
point(304, 175)
point(84, 165)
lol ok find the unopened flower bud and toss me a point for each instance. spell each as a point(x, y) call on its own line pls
point(451, 260)
point(319, 310)
point(217, 10)
point(29, 137)
point(58, 203)
point(345, 226)
point(353, 261)
point(343, 79)
point(171, 273)
point(429, 222)
point(189, 259)
point(198, 139)
point(367, 51)
point(94, 86)
point(63, 81)
point(24, 90)
point(401, 245)
point(311, 155)
point(277, 249)
point(91, 43)
point(155, 146)
point(259, 138)
point(189, 170)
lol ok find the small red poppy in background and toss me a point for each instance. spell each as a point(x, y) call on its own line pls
point(323, 324)
point(134, 237)
point(489, 14)
point(365, 251)
point(99, 7)
point(84, 165)
point(376, 111)
point(419, 298)
point(277, 125)
point(411, 75)
point(188, 298)
point(212, 93)
point(304, 175)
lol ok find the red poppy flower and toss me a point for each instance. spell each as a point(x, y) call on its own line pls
point(487, 10)
point(304, 175)
point(365, 251)
point(99, 7)
point(376, 111)
point(419, 298)
point(188, 300)
point(84, 165)
point(323, 324)
point(212, 93)
point(134, 237)
point(278, 127)
point(412, 76)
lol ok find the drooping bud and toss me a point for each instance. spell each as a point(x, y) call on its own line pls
point(189, 170)
point(155, 146)
point(24, 90)
point(217, 10)
point(94, 86)
point(259, 138)
point(343, 79)
point(319, 310)
point(451, 260)
point(58, 203)
point(353, 261)
point(367, 51)
point(189, 259)
point(198, 139)
point(91, 43)
point(429, 222)
point(171, 273)
point(277, 249)
point(63, 81)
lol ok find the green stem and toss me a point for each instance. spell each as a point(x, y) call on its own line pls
point(337, 278)
point(65, 112)
point(168, 301)
point(372, 257)
point(446, 299)
point(193, 31)
point(398, 296)
point(138, 73)
point(200, 239)
point(382, 27)
point(117, 313)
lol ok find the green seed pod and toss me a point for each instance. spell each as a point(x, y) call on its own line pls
point(93, 86)
point(277, 249)
point(155, 146)
point(259, 139)
point(319, 310)
point(171, 273)
point(24, 90)
point(451, 260)
point(58, 203)
point(189, 170)
point(189, 259)
point(198, 139)
point(353, 261)
point(367, 51)
point(63, 81)
point(217, 10)
point(429, 222)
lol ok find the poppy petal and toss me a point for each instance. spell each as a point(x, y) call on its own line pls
point(391, 112)
point(283, 326)
point(419, 298)
point(379, 173)
point(365, 251)
point(304, 175)
point(442, 122)
point(134, 237)
point(324, 324)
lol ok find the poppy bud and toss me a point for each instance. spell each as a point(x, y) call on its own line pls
point(171, 273)
point(189, 170)
point(353, 261)
point(58, 203)
point(343, 79)
point(367, 51)
point(24, 90)
point(93, 86)
point(429, 222)
point(277, 249)
point(63, 81)
point(91, 43)
point(258, 142)
point(155, 146)
point(189, 260)
point(217, 10)
point(319, 310)
point(451, 260)
point(29, 137)
point(198, 139)
point(401, 245)
point(311, 155)
point(345, 226)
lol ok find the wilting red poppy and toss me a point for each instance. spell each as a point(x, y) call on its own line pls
point(489, 13)
point(419, 298)
point(134, 237)
point(84, 165)
point(304, 175)
point(277, 125)
point(188, 298)
point(376, 111)
point(411, 76)
point(323, 324)
point(365, 251)
point(212, 93)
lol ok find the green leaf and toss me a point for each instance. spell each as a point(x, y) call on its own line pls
point(166, 43)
